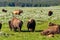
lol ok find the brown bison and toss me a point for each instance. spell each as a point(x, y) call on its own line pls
point(15, 24)
point(50, 13)
point(0, 26)
point(52, 29)
point(17, 12)
point(31, 25)
point(4, 10)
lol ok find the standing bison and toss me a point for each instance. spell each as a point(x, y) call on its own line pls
point(4, 10)
point(31, 25)
point(50, 13)
point(52, 29)
point(17, 12)
point(15, 24)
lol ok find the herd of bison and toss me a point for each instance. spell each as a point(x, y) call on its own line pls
point(15, 24)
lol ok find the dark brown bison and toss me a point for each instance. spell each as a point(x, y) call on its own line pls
point(0, 26)
point(52, 29)
point(4, 10)
point(31, 25)
point(15, 24)
point(50, 13)
point(17, 12)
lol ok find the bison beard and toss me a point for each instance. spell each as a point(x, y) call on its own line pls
point(15, 26)
point(31, 25)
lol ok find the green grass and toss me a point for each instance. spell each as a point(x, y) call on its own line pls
point(42, 20)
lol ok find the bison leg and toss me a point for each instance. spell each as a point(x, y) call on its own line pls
point(50, 32)
point(29, 29)
point(20, 25)
point(19, 28)
point(15, 29)
point(10, 25)
point(33, 29)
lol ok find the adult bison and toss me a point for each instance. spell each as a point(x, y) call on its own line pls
point(0, 26)
point(31, 25)
point(15, 24)
point(52, 29)
point(50, 13)
point(4, 10)
point(17, 12)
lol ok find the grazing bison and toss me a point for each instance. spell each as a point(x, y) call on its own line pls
point(31, 25)
point(4, 10)
point(15, 24)
point(52, 29)
point(0, 26)
point(50, 13)
point(17, 12)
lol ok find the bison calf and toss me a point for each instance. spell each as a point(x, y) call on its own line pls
point(31, 25)
point(50, 13)
point(17, 12)
point(15, 24)
point(4, 10)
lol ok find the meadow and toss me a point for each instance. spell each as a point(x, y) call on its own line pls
point(41, 17)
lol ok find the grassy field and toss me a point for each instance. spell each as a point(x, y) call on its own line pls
point(42, 20)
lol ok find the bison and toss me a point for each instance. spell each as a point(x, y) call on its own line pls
point(31, 25)
point(4, 10)
point(15, 24)
point(17, 12)
point(50, 13)
point(52, 29)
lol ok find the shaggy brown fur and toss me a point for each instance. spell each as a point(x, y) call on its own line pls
point(31, 25)
point(50, 13)
point(17, 12)
point(15, 24)
point(52, 29)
